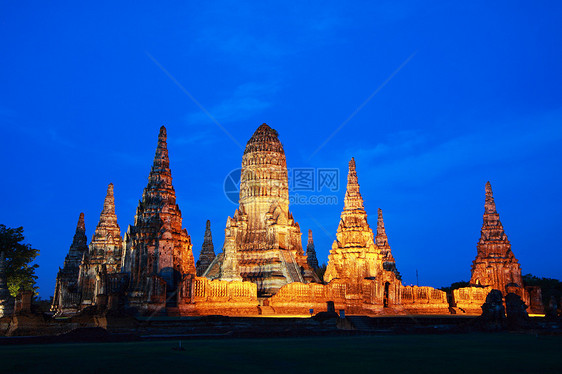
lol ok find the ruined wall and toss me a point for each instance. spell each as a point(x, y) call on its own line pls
point(424, 300)
point(202, 296)
point(469, 300)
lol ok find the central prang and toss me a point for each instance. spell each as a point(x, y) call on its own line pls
point(263, 241)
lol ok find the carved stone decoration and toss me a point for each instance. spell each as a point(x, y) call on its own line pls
point(104, 254)
point(157, 245)
point(355, 256)
point(381, 241)
point(66, 299)
point(262, 240)
point(495, 265)
point(311, 252)
point(207, 251)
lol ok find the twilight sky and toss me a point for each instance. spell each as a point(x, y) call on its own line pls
point(432, 100)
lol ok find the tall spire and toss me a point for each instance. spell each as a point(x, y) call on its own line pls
point(354, 238)
point(381, 240)
point(67, 295)
point(490, 205)
point(107, 231)
point(495, 265)
point(311, 252)
point(353, 199)
point(156, 243)
point(78, 247)
point(207, 251)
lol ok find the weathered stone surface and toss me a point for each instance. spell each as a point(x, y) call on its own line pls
point(262, 240)
point(207, 254)
point(356, 258)
point(104, 254)
point(311, 258)
point(423, 300)
point(6, 301)
point(495, 265)
point(469, 300)
point(158, 250)
point(381, 241)
point(66, 299)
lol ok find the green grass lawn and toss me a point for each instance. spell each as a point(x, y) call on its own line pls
point(474, 353)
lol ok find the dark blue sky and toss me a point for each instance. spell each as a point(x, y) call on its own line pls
point(464, 92)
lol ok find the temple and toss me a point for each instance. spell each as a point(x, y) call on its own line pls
point(355, 257)
point(262, 268)
point(104, 254)
point(158, 250)
point(262, 240)
point(495, 266)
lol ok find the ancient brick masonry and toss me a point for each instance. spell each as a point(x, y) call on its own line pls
point(104, 255)
point(355, 257)
point(381, 241)
point(207, 254)
point(158, 251)
point(495, 265)
point(66, 299)
point(262, 240)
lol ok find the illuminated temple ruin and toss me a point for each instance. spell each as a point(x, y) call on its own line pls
point(262, 268)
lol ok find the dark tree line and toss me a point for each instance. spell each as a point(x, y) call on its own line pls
point(20, 273)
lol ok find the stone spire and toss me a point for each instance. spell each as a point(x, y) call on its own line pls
point(207, 251)
point(263, 243)
point(156, 243)
point(353, 199)
point(495, 265)
point(311, 252)
point(104, 255)
point(67, 294)
point(381, 240)
point(78, 247)
point(107, 231)
point(354, 239)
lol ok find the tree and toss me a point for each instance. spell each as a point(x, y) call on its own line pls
point(454, 286)
point(20, 273)
point(549, 287)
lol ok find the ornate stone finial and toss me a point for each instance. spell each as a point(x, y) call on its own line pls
point(311, 252)
point(107, 231)
point(353, 199)
point(161, 159)
point(381, 238)
point(490, 205)
point(80, 241)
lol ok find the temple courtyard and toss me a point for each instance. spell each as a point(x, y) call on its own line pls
point(420, 353)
